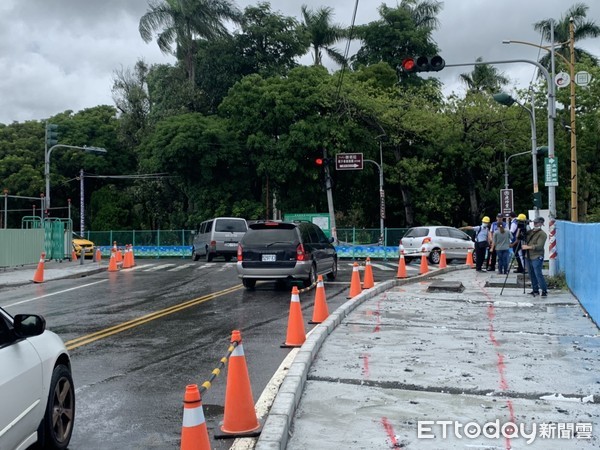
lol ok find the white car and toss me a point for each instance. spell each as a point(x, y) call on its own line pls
point(37, 395)
point(430, 240)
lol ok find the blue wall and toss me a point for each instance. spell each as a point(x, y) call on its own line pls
point(578, 249)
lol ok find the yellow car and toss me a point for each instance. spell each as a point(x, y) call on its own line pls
point(80, 244)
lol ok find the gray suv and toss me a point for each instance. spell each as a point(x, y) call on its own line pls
point(285, 251)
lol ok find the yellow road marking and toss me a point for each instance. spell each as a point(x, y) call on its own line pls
point(101, 334)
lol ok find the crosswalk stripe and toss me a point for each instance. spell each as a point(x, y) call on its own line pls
point(163, 266)
point(185, 266)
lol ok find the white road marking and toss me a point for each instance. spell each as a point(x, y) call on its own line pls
point(162, 266)
point(185, 266)
point(54, 293)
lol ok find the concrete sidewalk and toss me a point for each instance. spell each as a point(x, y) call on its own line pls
point(387, 369)
point(53, 270)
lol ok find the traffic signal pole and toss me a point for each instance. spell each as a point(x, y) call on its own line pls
point(328, 189)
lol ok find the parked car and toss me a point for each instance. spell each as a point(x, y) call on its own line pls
point(432, 239)
point(285, 251)
point(218, 237)
point(36, 387)
point(81, 244)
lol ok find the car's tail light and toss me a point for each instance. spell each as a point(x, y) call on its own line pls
point(427, 240)
point(300, 253)
point(240, 253)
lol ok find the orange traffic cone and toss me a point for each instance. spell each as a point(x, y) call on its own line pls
point(126, 264)
point(73, 255)
point(194, 434)
point(119, 256)
point(401, 266)
point(112, 265)
point(470, 258)
point(98, 255)
point(443, 263)
point(132, 261)
point(38, 276)
point(424, 267)
point(295, 332)
point(369, 282)
point(355, 288)
point(239, 417)
point(320, 312)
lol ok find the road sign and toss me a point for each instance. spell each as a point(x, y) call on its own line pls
point(562, 79)
point(349, 161)
point(506, 201)
point(551, 173)
point(582, 78)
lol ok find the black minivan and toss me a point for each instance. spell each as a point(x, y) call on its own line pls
point(285, 251)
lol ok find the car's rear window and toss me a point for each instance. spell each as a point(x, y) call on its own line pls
point(417, 232)
point(262, 234)
point(232, 225)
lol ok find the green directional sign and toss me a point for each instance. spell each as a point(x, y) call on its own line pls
point(551, 172)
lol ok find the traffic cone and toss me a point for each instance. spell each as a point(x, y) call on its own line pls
point(119, 256)
point(355, 288)
point(194, 434)
point(369, 282)
point(401, 266)
point(239, 416)
point(320, 312)
point(73, 255)
point(424, 267)
point(443, 263)
point(296, 335)
point(470, 258)
point(98, 255)
point(38, 276)
point(126, 264)
point(132, 256)
point(112, 265)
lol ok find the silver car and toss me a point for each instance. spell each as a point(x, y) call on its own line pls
point(37, 396)
point(430, 240)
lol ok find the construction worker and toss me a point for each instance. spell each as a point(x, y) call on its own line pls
point(482, 241)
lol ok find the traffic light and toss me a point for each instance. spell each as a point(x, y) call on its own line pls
point(323, 161)
point(423, 64)
point(51, 134)
point(537, 200)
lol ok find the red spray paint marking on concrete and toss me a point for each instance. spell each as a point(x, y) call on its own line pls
point(390, 432)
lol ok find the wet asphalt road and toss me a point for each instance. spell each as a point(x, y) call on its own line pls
point(138, 337)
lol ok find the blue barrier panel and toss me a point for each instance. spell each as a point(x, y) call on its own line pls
point(578, 249)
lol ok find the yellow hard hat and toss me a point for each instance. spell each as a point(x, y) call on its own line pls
point(485, 219)
point(522, 217)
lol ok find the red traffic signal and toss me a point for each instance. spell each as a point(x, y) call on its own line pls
point(423, 64)
point(319, 161)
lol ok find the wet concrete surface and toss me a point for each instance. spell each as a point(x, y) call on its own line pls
point(408, 355)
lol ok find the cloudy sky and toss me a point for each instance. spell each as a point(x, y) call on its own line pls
point(58, 55)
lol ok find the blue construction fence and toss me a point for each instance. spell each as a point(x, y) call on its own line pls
point(354, 242)
point(578, 249)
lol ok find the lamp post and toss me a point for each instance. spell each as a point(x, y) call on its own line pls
point(571, 65)
point(551, 188)
point(381, 138)
point(47, 165)
point(507, 100)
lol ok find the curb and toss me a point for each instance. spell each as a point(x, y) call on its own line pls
point(279, 420)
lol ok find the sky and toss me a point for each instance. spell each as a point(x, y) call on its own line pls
point(58, 55)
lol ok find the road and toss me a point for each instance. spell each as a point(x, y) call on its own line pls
point(138, 337)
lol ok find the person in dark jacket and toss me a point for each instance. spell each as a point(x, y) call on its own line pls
point(536, 240)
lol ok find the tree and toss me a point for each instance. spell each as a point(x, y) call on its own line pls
point(484, 78)
point(403, 31)
point(322, 34)
point(183, 22)
point(583, 29)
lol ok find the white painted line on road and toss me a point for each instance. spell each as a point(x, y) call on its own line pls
point(382, 267)
point(143, 266)
point(162, 266)
point(185, 266)
point(54, 293)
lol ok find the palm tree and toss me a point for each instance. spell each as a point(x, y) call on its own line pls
point(484, 78)
point(322, 34)
point(183, 22)
point(583, 29)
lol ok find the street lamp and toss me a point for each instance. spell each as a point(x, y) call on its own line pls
point(47, 153)
point(571, 65)
point(507, 100)
point(381, 138)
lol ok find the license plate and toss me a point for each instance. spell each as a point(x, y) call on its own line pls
point(268, 258)
point(231, 244)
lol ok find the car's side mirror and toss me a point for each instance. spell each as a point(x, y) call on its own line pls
point(28, 325)
point(331, 240)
